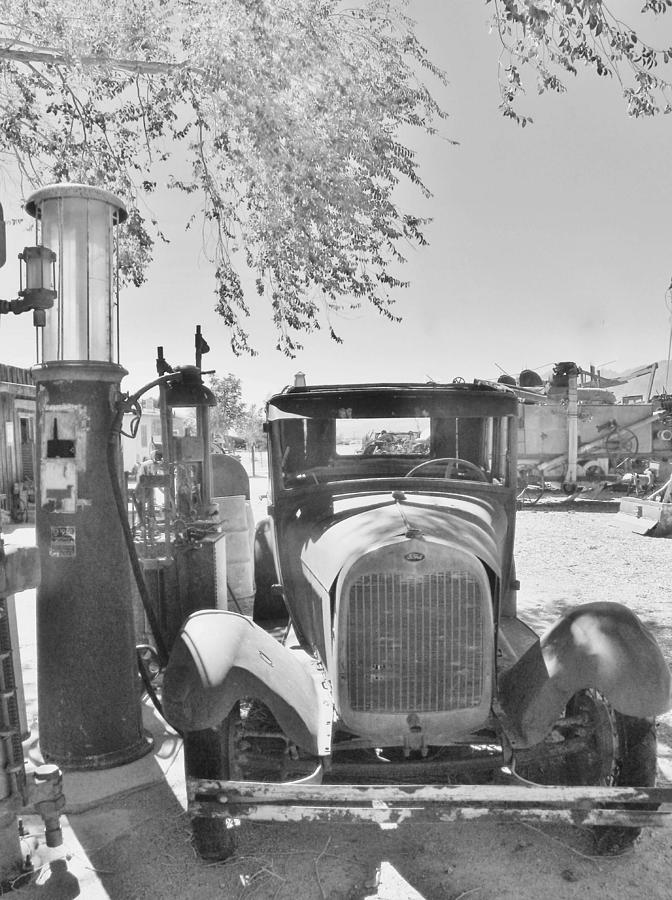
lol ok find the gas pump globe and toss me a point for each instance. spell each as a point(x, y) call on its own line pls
point(90, 714)
point(78, 222)
point(36, 279)
point(37, 272)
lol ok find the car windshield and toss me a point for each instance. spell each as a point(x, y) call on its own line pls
point(393, 437)
point(353, 444)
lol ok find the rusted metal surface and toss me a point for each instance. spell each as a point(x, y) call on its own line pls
point(428, 815)
point(413, 804)
point(84, 615)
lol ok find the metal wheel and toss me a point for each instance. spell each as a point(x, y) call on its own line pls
point(598, 746)
point(587, 738)
point(531, 484)
point(636, 768)
point(594, 472)
point(259, 750)
point(621, 444)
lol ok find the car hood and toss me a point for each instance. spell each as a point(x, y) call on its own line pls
point(359, 524)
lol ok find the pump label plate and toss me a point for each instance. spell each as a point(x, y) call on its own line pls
point(63, 541)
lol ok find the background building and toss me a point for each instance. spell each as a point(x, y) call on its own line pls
point(148, 436)
point(17, 442)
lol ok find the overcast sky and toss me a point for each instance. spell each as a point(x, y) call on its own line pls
point(548, 243)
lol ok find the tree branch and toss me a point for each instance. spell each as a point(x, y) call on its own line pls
point(57, 58)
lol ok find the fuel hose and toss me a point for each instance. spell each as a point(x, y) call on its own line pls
point(113, 471)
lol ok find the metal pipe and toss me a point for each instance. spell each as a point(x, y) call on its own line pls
point(572, 430)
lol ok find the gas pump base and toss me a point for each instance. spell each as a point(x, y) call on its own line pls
point(120, 757)
point(88, 683)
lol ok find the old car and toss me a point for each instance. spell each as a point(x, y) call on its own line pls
point(405, 686)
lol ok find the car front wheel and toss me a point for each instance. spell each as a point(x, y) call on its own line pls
point(249, 745)
point(603, 748)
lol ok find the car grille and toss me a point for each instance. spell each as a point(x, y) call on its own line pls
point(415, 644)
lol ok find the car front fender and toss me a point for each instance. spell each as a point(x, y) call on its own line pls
point(603, 646)
point(220, 657)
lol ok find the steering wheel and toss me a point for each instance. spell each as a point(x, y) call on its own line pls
point(454, 468)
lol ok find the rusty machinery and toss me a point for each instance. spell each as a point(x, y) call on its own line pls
point(572, 430)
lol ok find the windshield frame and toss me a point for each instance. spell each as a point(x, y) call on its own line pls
point(302, 431)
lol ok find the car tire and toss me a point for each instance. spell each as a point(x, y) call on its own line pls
point(637, 768)
point(627, 747)
point(268, 605)
point(206, 755)
point(213, 839)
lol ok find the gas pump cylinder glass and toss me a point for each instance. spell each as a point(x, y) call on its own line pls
point(77, 222)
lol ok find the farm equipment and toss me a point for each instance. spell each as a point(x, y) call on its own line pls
point(405, 687)
point(573, 430)
point(652, 513)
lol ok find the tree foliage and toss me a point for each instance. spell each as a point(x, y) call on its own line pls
point(227, 416)
point(251, 424)
point(294, 118)
point(291, 115)
point(553, 38)
point(232, 415)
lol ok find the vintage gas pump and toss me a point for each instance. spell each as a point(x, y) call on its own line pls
point(192, 528)
point(179, 538)
point(87, 679)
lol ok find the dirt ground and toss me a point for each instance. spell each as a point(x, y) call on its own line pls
point(141, 849)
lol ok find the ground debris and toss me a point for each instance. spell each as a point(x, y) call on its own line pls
point(569, 875)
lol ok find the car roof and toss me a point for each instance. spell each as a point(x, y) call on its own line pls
point(464, 398)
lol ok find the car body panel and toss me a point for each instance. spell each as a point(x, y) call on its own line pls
point(469, 522)
point(603, 646)
point(221, 657)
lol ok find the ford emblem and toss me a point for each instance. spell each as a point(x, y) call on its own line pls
point(414, 556)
